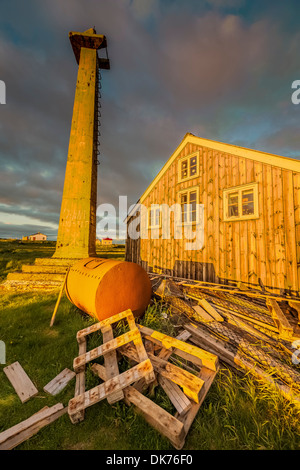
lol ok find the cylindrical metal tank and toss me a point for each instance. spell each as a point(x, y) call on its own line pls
point(105, 287)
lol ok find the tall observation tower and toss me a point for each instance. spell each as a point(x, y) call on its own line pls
point(77, 225)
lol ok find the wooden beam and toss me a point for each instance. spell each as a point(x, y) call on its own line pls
point(160, 419)
point(186, 351)
point(22, 384)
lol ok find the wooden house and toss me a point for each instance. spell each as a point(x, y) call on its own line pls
point(251, 215)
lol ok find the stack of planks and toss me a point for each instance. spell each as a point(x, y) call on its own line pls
point(251, 331)
point(151, 355)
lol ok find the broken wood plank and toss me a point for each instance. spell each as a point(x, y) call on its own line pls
point(180, 348)
point(115, 343)
point(210, 309)
point(22, 384)
point(96, 394)
point(157, 417)
point(27, 428)
point(59, 382)
point(111, 364)
point(190, 384)
point(280, 320)
point(175, 394)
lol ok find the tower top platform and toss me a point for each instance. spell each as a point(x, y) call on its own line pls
point(91, 40)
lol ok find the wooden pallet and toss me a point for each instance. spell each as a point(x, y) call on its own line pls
point(185, 390)
point(112, 389)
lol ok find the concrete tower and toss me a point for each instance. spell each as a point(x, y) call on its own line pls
point(77, 225)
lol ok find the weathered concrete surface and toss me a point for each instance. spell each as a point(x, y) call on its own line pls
point(77, 225)
point(44, 274)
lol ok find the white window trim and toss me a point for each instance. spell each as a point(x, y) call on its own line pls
point(186, 191)
point(188, 157)
point(239, 189)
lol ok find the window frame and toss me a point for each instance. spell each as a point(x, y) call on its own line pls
point(239, 190)
point(188, 158)
point(188, 191)
point(151, 208)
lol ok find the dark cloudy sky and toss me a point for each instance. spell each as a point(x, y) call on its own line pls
point(221, 69)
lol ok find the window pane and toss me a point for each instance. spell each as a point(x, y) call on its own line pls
point(183, 201)
point(184, 169)
point(193, 202)
point(157, 214)
point(193, 166)
point(248, 202)
point(233, 208)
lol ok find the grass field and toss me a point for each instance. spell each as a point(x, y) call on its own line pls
point(237, 413)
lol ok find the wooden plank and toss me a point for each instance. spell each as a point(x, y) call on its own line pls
point(176, 395)
point(290, 231)
point(59, 298)
point(96, 394)
point(203, 314)
point(141, 351)
point(80, 382)
point(160, 419)
point(22, 431)
point(284, 327)
point(111, 364)
point(80, 361)
point(190, 384)
point(99, 370)
point(210, 309)
point(296, 306)
point(186, 351)
point(97, 326)
point(187, 419)
point(22, 384)
point(59, 382)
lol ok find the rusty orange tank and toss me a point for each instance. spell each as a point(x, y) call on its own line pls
point(105, 287)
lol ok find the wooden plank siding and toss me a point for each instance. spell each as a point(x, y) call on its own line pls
point(266, 248)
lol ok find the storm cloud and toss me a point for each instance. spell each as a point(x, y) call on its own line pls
point(221, 70)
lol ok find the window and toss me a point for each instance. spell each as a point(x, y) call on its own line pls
point(189, 211)
point(188, 167)
point(154, 217)
point(241, 203)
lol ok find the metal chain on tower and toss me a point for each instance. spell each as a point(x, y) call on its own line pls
point(97, 121)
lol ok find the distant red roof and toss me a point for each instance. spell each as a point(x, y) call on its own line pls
point(107, 238)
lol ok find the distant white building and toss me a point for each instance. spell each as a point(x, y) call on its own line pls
point(38, 237)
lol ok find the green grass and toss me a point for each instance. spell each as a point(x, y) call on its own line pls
point(237, 414)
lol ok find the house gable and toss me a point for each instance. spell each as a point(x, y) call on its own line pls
point(254, 155)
